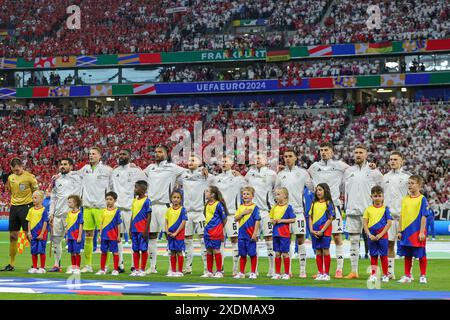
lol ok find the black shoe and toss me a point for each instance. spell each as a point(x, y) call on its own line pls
point(121, 270)
point(132, 269)
point(8, 268)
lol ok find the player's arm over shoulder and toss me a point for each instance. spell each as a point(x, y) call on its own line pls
point(341, 165)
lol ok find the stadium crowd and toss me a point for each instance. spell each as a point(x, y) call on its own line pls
point(41, 133)
point(310, 68)
point(39, 27)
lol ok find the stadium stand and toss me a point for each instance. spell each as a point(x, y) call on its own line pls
point(148, 26)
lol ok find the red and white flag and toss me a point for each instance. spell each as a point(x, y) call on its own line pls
point(319, 51)
point(144, 89)
point(44, 62)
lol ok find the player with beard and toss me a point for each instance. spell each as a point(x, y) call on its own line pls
point(194, 182)
point(358, 183)
point(123, 179)
point(65, 185)
point(161, 178)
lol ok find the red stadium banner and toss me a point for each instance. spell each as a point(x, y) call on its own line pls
point(439, 44)
point(321, 83)
point(150, 58)
point(40, 92)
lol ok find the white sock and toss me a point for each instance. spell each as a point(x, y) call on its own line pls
point(222, 252)
point(203, 253)
point(270, 255)
point(120, 247)
point(57, 250)
point(153, 252)
point(189, 252)
point(354, 253)
point(291, 254)
point(391, 266)
point(339, 257)
point(302, 257)
point(234, 246)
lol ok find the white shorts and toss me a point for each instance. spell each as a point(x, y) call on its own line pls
point(232, 227)
point(354, 224)
point(338, 224)
point(158, 218)
point(59, 226)
point(299, 227)
point(126, 220)
point(393, 230)
point(195, 223)
point(266, 225)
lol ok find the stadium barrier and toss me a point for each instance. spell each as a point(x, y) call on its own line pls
point(206, 87)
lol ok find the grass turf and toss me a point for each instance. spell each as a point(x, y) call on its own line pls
point(438, 275)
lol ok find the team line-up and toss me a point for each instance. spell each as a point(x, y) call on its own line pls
point(183, 202)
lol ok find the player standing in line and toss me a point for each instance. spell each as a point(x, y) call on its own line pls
point(109, 233)
point(263, 180)
point(65, 185)
point(247, 215)
point(321, 216)
point(123, 179)
point(377, 221)
point(194, 182)
point(161, 179)
point(37, 218)
point(96, 182)
point(141, 210)
point(358, 182)
point(395, 185)
point(175, 226)
point(412, 229)
point(21, 184)
point(216, 218)
point(282, 215)
point(230, 183)
point(294, 179)
point(331, 172)
point(75, 234)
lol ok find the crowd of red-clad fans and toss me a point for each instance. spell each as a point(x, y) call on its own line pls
point(42, 134)
point(119, 26)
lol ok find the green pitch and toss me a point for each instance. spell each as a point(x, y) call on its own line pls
point(438, 275)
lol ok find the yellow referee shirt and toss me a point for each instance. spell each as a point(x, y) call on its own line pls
point(22, 188)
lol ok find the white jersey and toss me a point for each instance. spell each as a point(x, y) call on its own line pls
point(295, 180)
point(230, 186)
point(263, 180)
point(194, 184)
point(358, 182)
point(96, 183)
point(330, 172)
point(395, 186)
point(63, 187)
point(161, 180)
point(123, 180)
